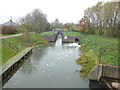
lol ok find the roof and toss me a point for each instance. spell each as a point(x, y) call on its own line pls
point(9, 23)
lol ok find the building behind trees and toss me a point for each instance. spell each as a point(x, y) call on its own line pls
point(9, 27)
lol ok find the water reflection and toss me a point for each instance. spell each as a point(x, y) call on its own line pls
point(29, 67)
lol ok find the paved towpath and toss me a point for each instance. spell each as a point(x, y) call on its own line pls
point(16, 35)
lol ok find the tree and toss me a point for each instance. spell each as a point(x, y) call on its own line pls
point(56, 24)
point(68, 26)
point(102, 18)
point(34, 22)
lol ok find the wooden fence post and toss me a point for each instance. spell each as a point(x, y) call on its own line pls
point(100, 56)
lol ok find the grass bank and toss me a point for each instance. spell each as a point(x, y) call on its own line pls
point(72, 33)
point(90, 45)
point(13, 45)
point(48, 33)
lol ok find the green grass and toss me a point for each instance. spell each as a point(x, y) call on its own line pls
point(65, 33)
point(48, 33)
point(20, 43)
point(91, 52)
point(36, 38)
point(57, 29)
point(0, 53)
point(16, 42)
point(7, 54)
point(72, 33)
point(110, 54)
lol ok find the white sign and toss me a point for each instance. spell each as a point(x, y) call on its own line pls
point(65, 37)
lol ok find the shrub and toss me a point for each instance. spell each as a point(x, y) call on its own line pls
point(9, 29)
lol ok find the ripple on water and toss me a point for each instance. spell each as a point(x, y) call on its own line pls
point(47, 65)
point(58, 58)
point(62, 53)
point(48, 75)
point(66, 55)
point(16, 84)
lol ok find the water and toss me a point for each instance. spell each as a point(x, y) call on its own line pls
point(50, 66)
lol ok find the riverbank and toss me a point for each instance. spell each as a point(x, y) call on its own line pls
point(73, 33)
point(97, 49)
point(13, 45)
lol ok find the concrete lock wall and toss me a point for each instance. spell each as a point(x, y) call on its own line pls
point(103, 70)
point(96, 73)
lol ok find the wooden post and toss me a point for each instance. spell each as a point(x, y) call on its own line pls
point(9, 44)
point(100, 56)
point(118, 32)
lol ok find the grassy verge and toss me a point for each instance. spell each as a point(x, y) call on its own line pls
point(91, 52)
point(72, 33)
point(0, 52)
point(21, 43)
point(48, 33)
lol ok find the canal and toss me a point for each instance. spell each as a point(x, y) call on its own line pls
point(50, 66)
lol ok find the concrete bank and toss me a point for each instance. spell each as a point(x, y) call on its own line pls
point(69, 39)
point(12, 63)
point(104, 70)
point(108, 75)
point(50, 38)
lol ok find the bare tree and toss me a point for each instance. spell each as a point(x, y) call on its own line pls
point(34, 22)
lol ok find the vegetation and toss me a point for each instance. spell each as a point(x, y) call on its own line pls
point(102, 47)
point(0, 53)
point(73, 33)
point(48, 33)
point(17, 44)
point(34, 22)
point(91, 52)
point(101, 19)
point(88, 60)
point(9, 29)
point(56, 24)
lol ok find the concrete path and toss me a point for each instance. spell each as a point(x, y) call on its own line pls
point(16, 35)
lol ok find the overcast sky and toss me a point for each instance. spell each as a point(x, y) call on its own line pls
point(64, 10)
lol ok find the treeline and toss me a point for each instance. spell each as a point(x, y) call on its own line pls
point(36, 21)
point(101, 19)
